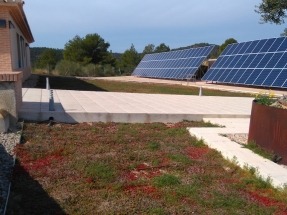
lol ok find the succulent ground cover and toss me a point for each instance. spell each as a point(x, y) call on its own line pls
point(110, 168)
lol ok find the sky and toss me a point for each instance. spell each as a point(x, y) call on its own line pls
point(177, 23)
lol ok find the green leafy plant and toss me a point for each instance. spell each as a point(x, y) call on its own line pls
point(265, 98)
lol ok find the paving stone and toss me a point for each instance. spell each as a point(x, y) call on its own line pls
point(82, 106)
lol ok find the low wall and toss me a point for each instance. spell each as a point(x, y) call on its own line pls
point(11, 95)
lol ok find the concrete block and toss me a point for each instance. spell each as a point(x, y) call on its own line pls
point(4, 121)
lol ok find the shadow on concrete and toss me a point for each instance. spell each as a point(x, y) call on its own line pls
point(39, 112)
point(28, 196)
point(66, 83)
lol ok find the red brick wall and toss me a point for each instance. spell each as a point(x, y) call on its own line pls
point(5, 50)
point(8, 53)
point(10, 75)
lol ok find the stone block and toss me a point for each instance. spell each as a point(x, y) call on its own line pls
point(8, 100)
point(4, 121)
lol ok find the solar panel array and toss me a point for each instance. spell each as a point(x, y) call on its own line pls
point(181, 64)
point(257, 63)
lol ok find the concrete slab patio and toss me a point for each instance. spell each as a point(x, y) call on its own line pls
point(84, 106)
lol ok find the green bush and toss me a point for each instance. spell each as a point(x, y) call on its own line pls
point(265, 98)
point(68, 68)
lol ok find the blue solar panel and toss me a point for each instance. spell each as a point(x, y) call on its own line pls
point(179, 64)
point(230, 76)
point(256, 63)
point(261, 78)
point(281, 78)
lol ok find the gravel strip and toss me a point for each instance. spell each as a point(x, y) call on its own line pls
point(8, 141)
point(238, 138)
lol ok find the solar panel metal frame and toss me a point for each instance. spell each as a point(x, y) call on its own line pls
point(179, 64)
point(256, 63)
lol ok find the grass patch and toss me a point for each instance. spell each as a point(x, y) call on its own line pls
point(166, 180)
point(154, 146)
point(152, 88)
point(199, 143)
point(118, 168)
point(101, 171)
point(156, 211)
point(258, 150)
point(71, 83)
point(180, 158)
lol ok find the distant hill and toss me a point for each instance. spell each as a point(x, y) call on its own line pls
point(117, 55)
point(214, 54)
point(196, 45)
point(37, 51)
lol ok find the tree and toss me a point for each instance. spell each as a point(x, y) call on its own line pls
point(273, 11)
point(148, 49)
point(95, 48)
point(36, 53)
point(226, 43)
point(73, 50)
point(47, 60)
point(129, 60)
point(90, 49)
point(284, 34)
point(162, 48)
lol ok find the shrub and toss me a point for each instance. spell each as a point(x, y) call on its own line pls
point(68, 68)
point(265, 98)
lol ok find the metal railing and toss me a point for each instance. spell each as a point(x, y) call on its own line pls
point(188, 78)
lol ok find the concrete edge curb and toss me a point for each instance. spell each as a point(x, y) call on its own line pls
point(244, 158)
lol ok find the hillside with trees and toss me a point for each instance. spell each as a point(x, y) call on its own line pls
point(90, 56)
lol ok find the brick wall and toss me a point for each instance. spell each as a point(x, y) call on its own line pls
point(15, 64)
point(5, 51)
point(8, 47)
point(11, 76)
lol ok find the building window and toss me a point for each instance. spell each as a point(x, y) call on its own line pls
point(2, 23)
point(11, 25)
point(27, 57)
point(21, 51)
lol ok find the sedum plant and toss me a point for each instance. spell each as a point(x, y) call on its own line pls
point(270, 99)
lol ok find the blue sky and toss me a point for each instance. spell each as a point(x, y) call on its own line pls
point(176, 23)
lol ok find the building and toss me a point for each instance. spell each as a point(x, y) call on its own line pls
point(15, 66)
